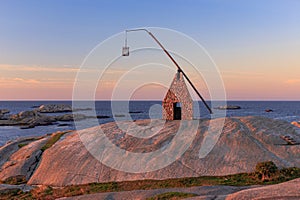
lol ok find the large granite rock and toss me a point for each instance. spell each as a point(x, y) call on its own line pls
point(20, 158)
point(283, 191)
point(286, 191)
point(244, 142)
point(216, 192)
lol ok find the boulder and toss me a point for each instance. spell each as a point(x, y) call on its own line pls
point(295, 123)
point(244, 142)
point(54, 108)
point(19, 159)
point(268, 110)
point(288, 190)
point(3, 112)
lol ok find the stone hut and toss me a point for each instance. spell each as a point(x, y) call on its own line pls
point(178, 103)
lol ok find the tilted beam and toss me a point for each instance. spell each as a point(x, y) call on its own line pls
point(176, 64)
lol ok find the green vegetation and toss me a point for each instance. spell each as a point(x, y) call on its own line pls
point(13, 192)
point(22, 145)
point(15, 180)
point(266, 170)
point(172, 195)
point(53, 139)
point(274, 176)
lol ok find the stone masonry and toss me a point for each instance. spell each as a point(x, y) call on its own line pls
point(178, 92)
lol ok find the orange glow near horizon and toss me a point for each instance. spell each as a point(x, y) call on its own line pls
point(56, 83)
point(235, 90)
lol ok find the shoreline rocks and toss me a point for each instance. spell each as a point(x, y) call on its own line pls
point(269, 110)
point(3, 112)
point(54, 108)
point(228, 107)
point(295, 123)
point(58, 108)
point(30, 119)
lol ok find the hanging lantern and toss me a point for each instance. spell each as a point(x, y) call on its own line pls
point(125, 51)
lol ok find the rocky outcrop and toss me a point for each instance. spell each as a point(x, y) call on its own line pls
point(57, 108)
point(228, 107)
point(288, 190)
point(19, 159)
point(201, 192)
point(3, 112)
point(71, 117)
point(12, 146)
point(284, 191)
point(54, 108)
point(295, 123)
point(30, 119)
point(244, 142)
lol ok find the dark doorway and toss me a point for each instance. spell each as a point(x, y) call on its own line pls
point(177, 111)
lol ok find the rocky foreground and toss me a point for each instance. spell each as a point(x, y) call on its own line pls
point(244, 142)
point(283, 191)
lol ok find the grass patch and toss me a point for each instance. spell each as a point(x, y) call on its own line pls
point(15, 180)
point(242, 179)
point(22, 145)
point(172, 195)
point(53, 139)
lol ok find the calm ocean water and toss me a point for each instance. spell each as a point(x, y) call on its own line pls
point(284, 110)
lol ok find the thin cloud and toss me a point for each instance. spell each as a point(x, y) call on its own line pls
point(292, 81)
point(37, 68)
point(241, 73)
point(30, 81)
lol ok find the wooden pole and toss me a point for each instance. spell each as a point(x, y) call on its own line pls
point(176, 64)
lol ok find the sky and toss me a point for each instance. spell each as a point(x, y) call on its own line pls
point(255, 44)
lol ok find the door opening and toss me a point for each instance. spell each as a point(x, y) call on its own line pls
point(177, 111)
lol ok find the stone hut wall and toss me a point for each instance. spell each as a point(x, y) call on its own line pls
point(178, 92)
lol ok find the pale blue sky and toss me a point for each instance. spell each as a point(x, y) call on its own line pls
point(257, 36)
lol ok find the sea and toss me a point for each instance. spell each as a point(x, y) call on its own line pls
point(283, 110)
